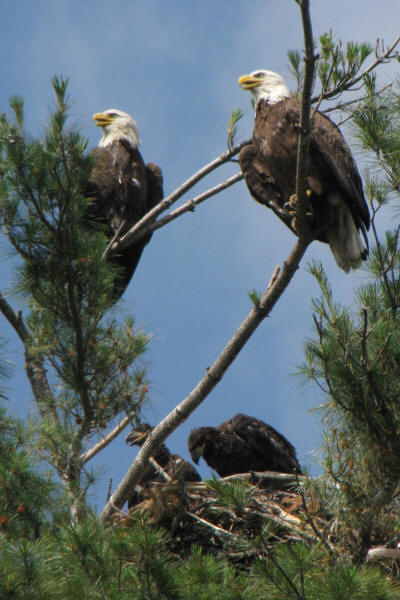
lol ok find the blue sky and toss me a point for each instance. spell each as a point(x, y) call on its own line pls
point(174, 66)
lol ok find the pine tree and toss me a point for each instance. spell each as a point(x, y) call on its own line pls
point(84, 366)
point(355, 355)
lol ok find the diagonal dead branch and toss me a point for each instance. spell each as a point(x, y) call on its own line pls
point(86, 456)
point(213, 375)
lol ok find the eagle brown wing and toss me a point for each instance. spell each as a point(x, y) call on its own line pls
point(267, 448)
point(261, 183)
point(122, 189)
point(329, 149)
point(154, 185)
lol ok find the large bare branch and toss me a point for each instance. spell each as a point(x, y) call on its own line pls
point(214, 374)
point(302, 224)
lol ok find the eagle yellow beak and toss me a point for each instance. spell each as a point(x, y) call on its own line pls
point(102, 119)
point(247, 82)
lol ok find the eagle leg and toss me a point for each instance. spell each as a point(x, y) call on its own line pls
point(293, 200)
point(291, 207)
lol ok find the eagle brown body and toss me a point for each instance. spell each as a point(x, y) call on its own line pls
point(175, 467)
point(123, 189)
point(243, 444)
point(338, 210)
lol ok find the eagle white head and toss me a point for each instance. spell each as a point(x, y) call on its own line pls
point(265, 84)
point(117, 125)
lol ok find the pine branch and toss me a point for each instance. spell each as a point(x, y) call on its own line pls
point(387, 55)
point(33, 366)
point(213, 375)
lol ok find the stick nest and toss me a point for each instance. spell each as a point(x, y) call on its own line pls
point(238, 517)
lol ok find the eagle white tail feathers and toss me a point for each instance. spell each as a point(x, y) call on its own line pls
point(343, 237)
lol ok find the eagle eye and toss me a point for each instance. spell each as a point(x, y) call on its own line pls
point(260, 75)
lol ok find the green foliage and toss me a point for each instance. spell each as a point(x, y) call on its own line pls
point(255, 297)
point(295, 572)
point(296, 67)
point(377, 122)
point(205, 577)
point(26, 496)
point(231, 129)
point(336, 64)
point(231, 495)
point(87, 561)
point(354, 357)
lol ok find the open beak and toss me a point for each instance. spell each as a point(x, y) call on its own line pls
point(102, 119)
point(247, 82)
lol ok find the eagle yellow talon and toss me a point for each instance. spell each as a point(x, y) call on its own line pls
point(293, 197)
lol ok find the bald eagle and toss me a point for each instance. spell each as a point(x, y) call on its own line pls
point(243, 444)
point(122, 189)
point(174, 466)
point(337, 207)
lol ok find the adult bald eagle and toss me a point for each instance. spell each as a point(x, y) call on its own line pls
point(175, 466)
point(122, 188)
point(243, 444)
point(337, 205)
